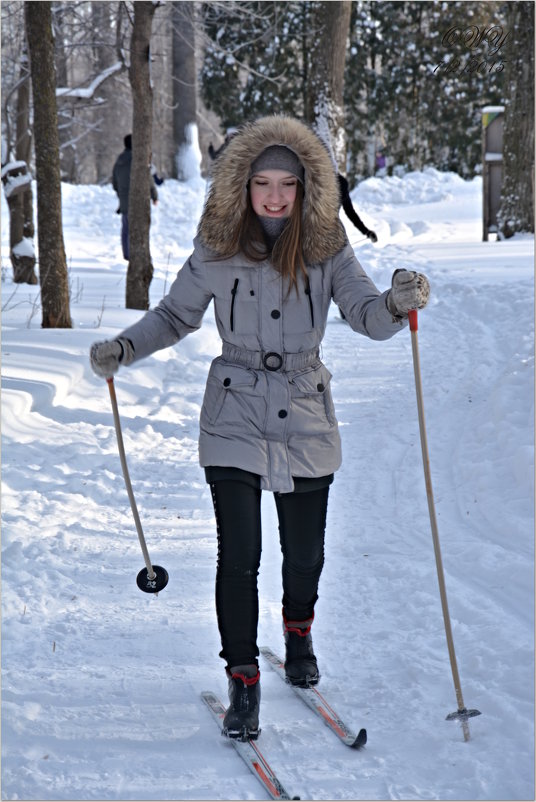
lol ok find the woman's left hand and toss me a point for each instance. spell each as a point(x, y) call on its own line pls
point(409, 290)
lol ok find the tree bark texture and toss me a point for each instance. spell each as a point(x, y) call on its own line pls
point(53, 276)
point(516, 211)
point(140, 266)
point(325, 108)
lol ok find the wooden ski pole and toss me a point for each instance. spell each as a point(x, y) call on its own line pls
point(462, 714)
point(154, 578)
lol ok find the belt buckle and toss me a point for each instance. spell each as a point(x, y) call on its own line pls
point(271, 355)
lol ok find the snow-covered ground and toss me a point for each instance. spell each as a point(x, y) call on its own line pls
point(101, 682)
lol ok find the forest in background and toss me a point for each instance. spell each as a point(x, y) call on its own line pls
point(416, 77)
point(390, 87)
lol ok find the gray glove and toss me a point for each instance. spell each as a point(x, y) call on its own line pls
point(409, 290)
point(106, 356)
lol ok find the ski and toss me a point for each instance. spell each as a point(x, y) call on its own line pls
point(314, 699)
point(249, 751)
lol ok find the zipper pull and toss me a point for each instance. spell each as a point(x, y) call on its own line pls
point(233, 293)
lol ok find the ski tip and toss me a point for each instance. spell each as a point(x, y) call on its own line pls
point(360, 740)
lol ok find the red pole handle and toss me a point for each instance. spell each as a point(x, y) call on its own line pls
point(413, 321)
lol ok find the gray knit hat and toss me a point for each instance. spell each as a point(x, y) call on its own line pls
point(278, 157)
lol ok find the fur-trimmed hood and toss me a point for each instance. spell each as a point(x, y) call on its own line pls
point(323, 233)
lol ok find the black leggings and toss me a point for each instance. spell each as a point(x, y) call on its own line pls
point(302, 523)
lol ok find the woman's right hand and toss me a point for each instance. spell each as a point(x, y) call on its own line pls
point(106, 356)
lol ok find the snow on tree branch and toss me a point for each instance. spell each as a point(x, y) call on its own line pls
point(89, 91)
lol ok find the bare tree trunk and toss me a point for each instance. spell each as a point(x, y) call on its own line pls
point(184, 81)
point(66, 117)
point(516, 212)
point(103, 57)
point(140, 266)
point(325, 108)
point(52, 263)
point(18, 188)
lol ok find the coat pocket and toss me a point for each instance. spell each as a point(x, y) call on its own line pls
point(312, 404)
point(233, 398)
point(236, 304)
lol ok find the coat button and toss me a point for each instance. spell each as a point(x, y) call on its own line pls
point(282, 413)
point(226, 382)
point(320, 387)
point(275, 314)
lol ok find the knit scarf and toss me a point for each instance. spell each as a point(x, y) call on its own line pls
point(273, 228)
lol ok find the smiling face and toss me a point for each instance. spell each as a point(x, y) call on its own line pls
point(273, 193)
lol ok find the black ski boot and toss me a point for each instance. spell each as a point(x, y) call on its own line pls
point(300, 664)
point(242, 717)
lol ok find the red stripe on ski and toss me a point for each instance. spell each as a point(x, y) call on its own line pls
point(331, 722)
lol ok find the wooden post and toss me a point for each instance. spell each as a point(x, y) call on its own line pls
point(492, 145)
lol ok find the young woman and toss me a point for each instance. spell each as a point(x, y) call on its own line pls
point(272, 254)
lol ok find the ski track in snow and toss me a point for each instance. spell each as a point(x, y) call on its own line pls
point(101, 683)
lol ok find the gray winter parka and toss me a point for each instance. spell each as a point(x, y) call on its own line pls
point(267, 406)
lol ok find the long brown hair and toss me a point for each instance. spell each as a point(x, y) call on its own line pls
point(287, 254)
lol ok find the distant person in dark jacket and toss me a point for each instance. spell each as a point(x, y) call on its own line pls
point(351, 214)
point(121, 184)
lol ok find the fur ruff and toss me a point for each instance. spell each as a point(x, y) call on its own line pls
point(323, 233)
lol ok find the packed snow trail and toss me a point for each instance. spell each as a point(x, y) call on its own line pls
point(101, 682)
